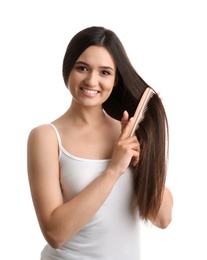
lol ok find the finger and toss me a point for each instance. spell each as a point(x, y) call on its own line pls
point(136, 144)
point(124, 120)
point(159, 95)
point(135, 160)
point(125, 116)
point(127, 129)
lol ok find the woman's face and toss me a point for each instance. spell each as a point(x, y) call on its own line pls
point(92, 78)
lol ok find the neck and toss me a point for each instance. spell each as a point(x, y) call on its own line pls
point(86, 115)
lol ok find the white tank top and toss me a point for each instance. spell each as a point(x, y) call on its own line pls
point(113, 233)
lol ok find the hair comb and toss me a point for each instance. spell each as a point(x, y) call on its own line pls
point(141, 108)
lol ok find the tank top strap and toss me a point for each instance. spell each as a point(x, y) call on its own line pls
point(58, 136)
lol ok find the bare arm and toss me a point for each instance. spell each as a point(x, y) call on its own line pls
point(164, 215)
point(59, 221)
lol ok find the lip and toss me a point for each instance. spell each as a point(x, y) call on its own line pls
point(89, 92)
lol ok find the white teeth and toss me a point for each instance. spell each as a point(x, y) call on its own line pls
point(90, 91)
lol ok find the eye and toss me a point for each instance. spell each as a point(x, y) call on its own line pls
point(81, 68)
point(105, 72)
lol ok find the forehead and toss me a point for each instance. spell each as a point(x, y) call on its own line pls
point(97, 55)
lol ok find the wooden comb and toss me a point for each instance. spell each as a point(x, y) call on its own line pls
point(141, 108)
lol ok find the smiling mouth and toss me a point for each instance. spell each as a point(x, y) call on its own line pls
point(89, 91)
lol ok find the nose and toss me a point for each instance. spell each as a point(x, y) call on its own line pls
point(91, 79)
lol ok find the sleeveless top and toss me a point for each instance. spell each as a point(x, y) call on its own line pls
point(113, 233)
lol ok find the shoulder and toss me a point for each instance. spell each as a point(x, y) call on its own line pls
point(42, 134)
point(40, 130)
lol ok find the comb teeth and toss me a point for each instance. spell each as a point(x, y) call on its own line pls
point(142, 115)
point(142, 108)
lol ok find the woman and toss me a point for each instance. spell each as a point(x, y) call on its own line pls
point(91, 183)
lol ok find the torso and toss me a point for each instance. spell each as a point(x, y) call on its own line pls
point(114, 231)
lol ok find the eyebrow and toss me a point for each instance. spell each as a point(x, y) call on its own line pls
point(84, 63)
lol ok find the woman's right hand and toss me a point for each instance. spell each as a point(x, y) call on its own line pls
point(125, 148)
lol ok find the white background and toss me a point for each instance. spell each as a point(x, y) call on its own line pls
point(167, 44)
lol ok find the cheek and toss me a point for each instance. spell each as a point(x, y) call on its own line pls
point(109, 88)
point(110, 84)
point(71, 81)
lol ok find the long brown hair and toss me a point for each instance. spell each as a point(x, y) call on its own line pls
point(152, 133)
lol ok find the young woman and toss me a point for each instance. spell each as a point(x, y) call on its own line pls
point(91, 183)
